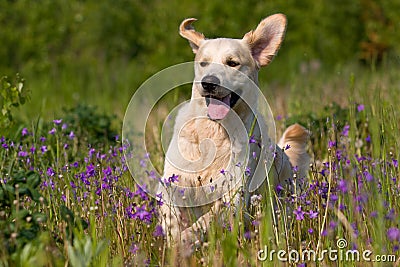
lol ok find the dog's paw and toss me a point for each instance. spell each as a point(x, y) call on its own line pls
point(188, 241)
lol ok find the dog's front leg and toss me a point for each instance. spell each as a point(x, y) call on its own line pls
point(170, 216)
point(193, 235)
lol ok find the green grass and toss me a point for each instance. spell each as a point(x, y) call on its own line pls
point(99, 190)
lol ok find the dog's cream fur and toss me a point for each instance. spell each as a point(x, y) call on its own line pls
point(192, 127)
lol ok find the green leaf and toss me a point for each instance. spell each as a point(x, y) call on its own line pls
point(27, 234)
point(19, 177)
point(2, 195)
point(10, 189)
point(66, 214)
point(33, 179)
point(22, 214)
point(35, 195)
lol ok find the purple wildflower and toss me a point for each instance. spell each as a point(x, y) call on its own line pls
point(393, 234)
point(227, 227)
point(90, 170)
point(368, 139)
point(57, 122)
point(24, 132)
point(312, 214)
point(51, 184)
point(295, 169)
point(75, 164)
point(107, 171)
point(171, 179)
point(212, 189)
point(339, 155)
point(395, 163)
point(158, 231)
point(22, 154)
point(43, 149)
point(331, 144)
point(151, 174)
point(159, 199)
point(141, 192)
point(142, 214)
point(50, 172)
point(299, 213)
point(345, 131)
point(342, 186)
point(360, 107)
point(279, 188)
point(72, 184)
point(247, 171)
point(142, 163)
point(52, 131)
point(362, 198)
point(91, 152)
point(332, 225)
point(324, 232)
point(134, 248)
point(247, 235)
point(334, 198)
point(252, 140)
point(368, 176)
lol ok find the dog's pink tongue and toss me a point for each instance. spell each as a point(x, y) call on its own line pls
point(218, 109)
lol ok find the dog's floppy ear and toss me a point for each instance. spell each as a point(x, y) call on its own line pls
point(265, 41)
point(186, 30)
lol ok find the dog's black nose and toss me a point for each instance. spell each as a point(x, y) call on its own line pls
point(209, 83)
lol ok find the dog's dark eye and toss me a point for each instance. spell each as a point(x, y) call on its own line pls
point(203, 63)
point(232, 63)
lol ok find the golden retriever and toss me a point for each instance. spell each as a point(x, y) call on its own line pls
point(220, 138)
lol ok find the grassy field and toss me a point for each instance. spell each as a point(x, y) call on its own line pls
point(67, 197)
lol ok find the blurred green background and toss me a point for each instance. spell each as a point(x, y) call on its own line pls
point(99, 52)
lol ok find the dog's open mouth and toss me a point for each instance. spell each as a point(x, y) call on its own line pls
point(218, 108)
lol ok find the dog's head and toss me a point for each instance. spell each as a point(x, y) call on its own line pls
point(218, 62)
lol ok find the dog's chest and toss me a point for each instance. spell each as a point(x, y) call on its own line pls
point(204, 140)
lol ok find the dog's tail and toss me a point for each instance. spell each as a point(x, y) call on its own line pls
point(294, 141)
